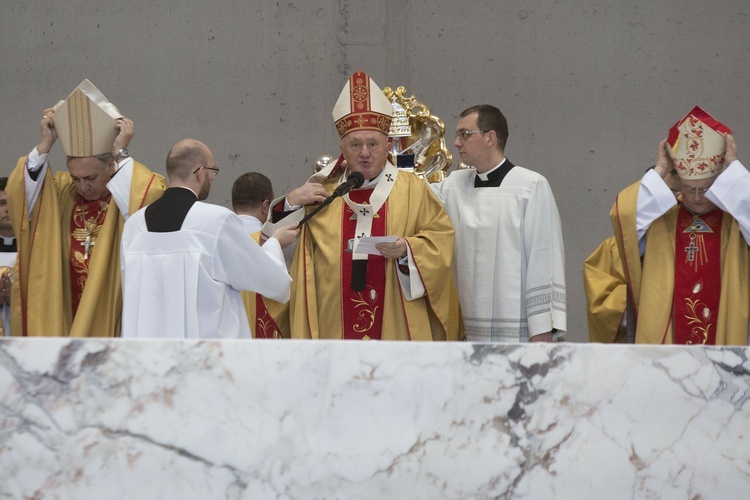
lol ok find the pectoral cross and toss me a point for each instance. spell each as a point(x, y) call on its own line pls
point(691, 250)
point(88, 243)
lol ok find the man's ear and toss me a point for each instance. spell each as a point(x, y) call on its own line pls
point(491, 136)
point(265, 206)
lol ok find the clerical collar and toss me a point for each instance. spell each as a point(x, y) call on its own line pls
point(8, 241)
point(485, 176)
point(371, 183)
point(494, 177)
point(185, 187)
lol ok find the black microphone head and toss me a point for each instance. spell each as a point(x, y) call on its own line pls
point(358, 179)
point(355, 180)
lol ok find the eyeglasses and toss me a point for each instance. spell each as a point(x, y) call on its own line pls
point(465, 134)
point(213, 170)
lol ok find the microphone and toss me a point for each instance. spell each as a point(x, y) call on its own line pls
point(355, 180)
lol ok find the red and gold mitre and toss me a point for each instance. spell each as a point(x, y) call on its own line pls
point(698, 145)
point(362, 106)
point(86, 122)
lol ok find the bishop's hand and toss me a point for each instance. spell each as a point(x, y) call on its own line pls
point(394, 250)
point(125, 131)
point(47, 132)
point(664, 163)
point(307, 194)
point(731, 154)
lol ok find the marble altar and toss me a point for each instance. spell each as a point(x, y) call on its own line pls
point(113, 418)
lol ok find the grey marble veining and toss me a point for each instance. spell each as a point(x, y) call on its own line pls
point(294, 419)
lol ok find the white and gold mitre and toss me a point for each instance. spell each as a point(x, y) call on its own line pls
point(85, 122)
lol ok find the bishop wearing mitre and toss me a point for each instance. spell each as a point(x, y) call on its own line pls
point(686, 259)
point(69, 223)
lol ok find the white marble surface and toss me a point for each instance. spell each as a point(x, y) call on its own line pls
point(293, 419)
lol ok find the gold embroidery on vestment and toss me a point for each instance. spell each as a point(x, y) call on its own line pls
point(366, 310)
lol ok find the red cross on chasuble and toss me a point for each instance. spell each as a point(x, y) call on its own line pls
point(85, 225)
point(697, 277)
point(362, 311)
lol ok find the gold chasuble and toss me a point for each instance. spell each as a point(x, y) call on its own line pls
point(268, 318)
point(651, 282)
point(325, 306)
point(43, 289)
point(606, 289)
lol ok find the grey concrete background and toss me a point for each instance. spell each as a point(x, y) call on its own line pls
point(589, 88)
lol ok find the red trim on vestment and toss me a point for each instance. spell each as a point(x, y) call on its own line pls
point(666, 330)
point(625, 264)
point(143, 200)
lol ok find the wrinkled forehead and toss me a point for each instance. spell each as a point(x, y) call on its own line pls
point(85, 165)
point(696, 183)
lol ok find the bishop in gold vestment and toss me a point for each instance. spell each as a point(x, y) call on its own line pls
point(687, 261)
point(69, 223)
point(400, 290)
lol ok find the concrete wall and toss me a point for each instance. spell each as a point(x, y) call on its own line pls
point(589, 88)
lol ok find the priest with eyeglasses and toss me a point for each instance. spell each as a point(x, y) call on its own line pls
point(509, 261)
point(185, 263)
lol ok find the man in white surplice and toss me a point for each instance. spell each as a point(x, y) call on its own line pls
point(509, 261)
point(185, 263)
point(252, 193)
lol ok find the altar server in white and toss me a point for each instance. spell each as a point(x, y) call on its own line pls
point(185, 263)
point(509, 261)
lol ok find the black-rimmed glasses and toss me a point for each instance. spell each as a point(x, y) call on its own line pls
point(213, 170)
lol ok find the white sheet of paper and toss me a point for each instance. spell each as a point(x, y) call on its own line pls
point(367, 244)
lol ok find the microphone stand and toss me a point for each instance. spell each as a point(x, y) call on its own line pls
point(356, 179)
point(320, 207)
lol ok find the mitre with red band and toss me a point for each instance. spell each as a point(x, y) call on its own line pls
point(362, 106)
point(86, 122)
point(698, 145)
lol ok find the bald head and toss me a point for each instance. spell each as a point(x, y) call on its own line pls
point(186, 156)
